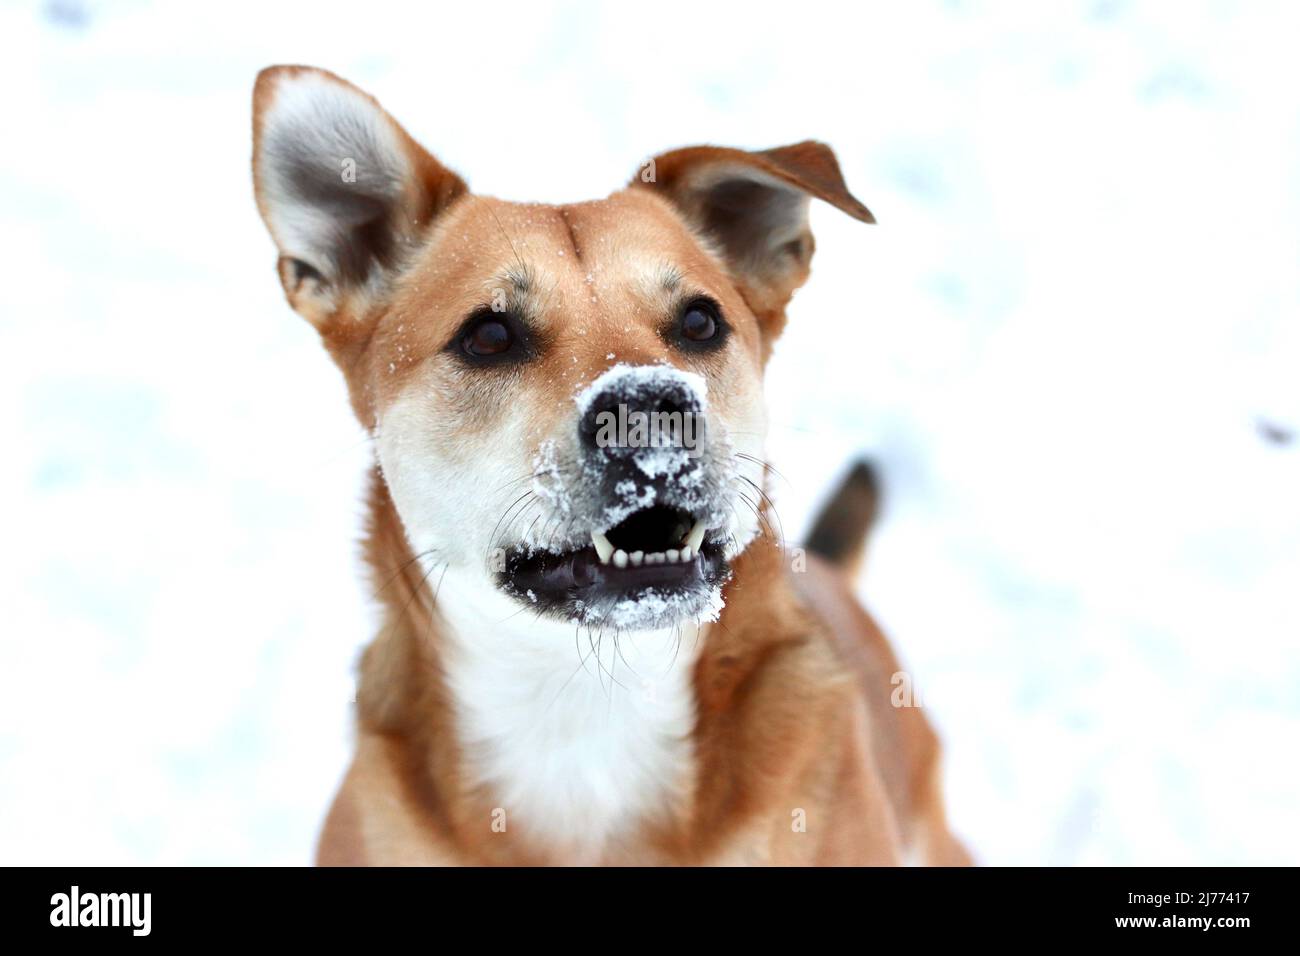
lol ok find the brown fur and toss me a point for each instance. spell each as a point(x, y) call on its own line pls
point(792, 684)
point(794, 713)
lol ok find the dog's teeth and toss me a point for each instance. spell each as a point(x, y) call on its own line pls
point(620, 558)
point(685, 555)
point(672, 555)
point(603, 548)
point(655, 557)
point(696, 537)
point(637, 557)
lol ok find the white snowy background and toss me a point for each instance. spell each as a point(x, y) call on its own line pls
point(1071, 344)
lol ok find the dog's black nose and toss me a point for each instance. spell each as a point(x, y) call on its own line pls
point(636, 412)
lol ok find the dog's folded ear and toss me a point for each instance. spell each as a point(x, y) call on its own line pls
point(754, 207)
point(341, 186)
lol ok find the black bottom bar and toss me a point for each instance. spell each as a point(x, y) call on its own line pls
point(381, 907)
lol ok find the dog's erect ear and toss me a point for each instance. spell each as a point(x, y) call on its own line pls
point(341, 186)
point(754, 206)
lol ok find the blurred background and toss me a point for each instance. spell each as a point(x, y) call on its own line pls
point(1071, 344)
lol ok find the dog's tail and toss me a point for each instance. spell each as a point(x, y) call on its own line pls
point(839, 534)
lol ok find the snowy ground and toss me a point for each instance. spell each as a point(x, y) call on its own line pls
point(1067, 343)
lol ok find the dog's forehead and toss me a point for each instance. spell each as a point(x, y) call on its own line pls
point(600, 277)
point(605, 259)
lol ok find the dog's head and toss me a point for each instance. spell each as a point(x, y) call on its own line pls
point(566, 400)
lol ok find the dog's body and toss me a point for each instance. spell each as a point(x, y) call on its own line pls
point(591, 652)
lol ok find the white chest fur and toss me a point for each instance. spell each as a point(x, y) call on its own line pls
point(580, 738)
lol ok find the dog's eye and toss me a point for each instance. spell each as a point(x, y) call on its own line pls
point(488, 336)
point(701, 324)
point(698, 325)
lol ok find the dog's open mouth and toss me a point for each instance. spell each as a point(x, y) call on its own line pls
point(658, 556)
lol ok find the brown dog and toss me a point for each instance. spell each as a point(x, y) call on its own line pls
point(592, 652)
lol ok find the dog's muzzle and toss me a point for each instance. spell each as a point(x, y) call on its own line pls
point(651, 503)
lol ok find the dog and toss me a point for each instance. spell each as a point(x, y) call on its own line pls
point(594, 650)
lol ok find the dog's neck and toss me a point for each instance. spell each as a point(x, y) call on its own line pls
point(523, 749)
point(579, 733)
point(573, 739)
